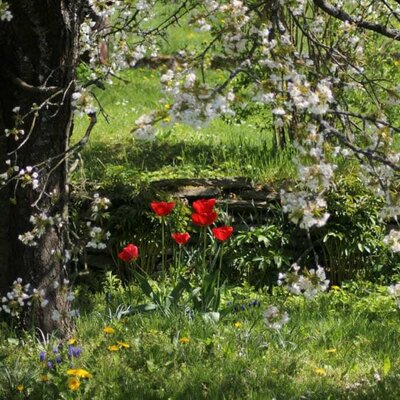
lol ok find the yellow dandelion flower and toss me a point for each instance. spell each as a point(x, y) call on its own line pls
point(72, 341)
point(167, 119)
point(320, 371)
point(237, 325)
point(20, 388)
point(80, 372)
point(114, 347)
point(184, 340)
point(109, 329)
point(44, 378)
point(123, 345)
point(334, 287)
point(74, 383)
point(167, 106)
point(330, 351)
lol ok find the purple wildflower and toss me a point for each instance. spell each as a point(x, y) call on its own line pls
point(42, 356)
point(74, 351)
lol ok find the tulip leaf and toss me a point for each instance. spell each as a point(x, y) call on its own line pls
point(387, 365)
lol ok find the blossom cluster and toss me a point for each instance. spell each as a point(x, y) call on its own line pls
point(192, 102)
point(98, 236)
point(308, 284)
point(83, 102)
point(27, 176)
point(5, 13)
point(275, 317)
point(305, 209)
point(21, 296)
point(393, 240)
point(41, 223)
point(394, 291)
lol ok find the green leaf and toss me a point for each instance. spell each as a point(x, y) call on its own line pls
point(387, 365)
point(13, 341)
point(176, 293)
point(151, 366)
point(211, 317)
point(146, 288)
point(144, 307)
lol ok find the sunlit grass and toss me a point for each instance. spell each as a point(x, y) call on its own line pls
point(340, 346)
point(218, 149)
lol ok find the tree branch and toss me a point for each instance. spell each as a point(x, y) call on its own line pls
point(343, 16)
point(26, 87)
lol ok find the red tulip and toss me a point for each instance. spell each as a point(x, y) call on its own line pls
point(223, 232)
point(204, 219)
point(204, 206)
point(162, 208)
point(128, 253)
point(181, 238)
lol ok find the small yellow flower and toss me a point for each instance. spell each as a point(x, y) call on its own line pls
point(109, 329)
point(44, 378)
point(167, 119)
point(184, 340)
point(20, 388)
point(80, 372)
point(330, 351)
point(320, 371)
point(114, 347)
point(167, 106)
point(123, 345)
point(237, 325)
point(74, 383)
point(334, 287)
point(72, 341)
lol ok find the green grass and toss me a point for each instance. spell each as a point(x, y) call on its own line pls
point(332, 348)
point(217, 150)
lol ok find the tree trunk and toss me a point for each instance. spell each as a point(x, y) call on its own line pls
point(38, 57)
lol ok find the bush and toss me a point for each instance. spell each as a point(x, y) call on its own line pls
point(259, 253)
point(351, 243)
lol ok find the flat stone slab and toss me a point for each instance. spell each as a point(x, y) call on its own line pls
point(238, 193)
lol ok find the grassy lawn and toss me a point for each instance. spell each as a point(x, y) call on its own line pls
point(220, 149)
point(342, 345)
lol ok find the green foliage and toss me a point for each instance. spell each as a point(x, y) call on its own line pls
point(162, 298)
point(112, 284)
point(351, 243)
point(259, 253)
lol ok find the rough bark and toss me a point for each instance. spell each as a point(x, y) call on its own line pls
point(38, 56)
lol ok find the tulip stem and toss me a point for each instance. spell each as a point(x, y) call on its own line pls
point(204, 253)
point(163, 246)
point(221, 249)
point(178, 269)
point(131, 265)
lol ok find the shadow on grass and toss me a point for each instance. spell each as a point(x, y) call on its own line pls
point(184, 159)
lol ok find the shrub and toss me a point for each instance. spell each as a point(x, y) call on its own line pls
point(351, 243)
